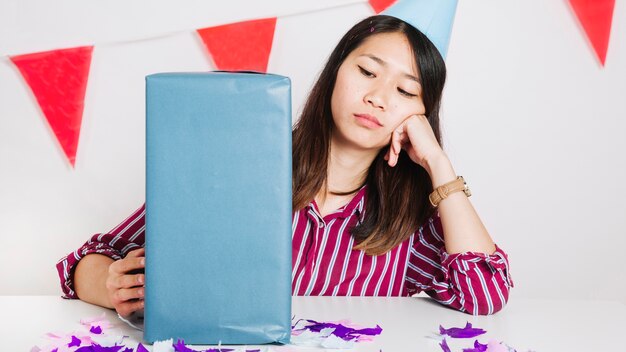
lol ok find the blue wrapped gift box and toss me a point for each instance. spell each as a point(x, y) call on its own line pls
point(218, 208)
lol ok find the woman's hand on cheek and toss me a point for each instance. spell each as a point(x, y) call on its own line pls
point(417, 138)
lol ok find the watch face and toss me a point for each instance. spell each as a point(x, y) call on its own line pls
point(466, 190)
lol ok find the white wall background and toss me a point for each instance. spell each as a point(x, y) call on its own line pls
point(530, 119)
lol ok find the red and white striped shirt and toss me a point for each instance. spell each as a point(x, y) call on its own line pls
point(324, 263)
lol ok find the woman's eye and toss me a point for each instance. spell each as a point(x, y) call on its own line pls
point(366, 72)
point(405, 93)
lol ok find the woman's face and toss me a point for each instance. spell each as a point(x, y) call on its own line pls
point(377, 88)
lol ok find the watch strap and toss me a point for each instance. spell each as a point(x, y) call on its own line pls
point(442, 192)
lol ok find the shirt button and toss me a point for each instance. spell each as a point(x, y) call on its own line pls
point(321, 225)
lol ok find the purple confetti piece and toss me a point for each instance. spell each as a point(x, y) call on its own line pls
point(444, 346)
point(141, 348)
point(97, 348)
point(253, 350)
point(55, 350)
point(179, 346)
point(128, 349)
point(96, 329)
point(478, 347)
point(75, 342)
point(341, 331)
point(462, 333)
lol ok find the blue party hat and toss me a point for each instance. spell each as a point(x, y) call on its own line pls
point(432, 17)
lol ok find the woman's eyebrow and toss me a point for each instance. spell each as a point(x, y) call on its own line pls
point(383, 63)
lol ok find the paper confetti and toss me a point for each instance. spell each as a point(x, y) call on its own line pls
point(467, 332)
point(97, 334)
point(444, 346)
point(97, 348)
point(163, 346)
point(180, 346)
point(478, 347)
point(495, 346)
point(330, 334)
point(75, 342)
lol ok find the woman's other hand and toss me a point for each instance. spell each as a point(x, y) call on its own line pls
point(125, 283)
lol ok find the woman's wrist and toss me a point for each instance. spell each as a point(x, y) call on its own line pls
point(90, 279)
point(440, 169)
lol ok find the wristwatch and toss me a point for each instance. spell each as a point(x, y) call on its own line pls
point(443, 191)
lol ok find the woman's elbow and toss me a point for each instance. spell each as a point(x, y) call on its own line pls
point(489, 302)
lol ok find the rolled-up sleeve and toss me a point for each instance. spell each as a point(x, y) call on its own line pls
point(472, 282)
point(115, 244)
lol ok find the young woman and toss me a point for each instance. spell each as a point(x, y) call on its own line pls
point(366, 157)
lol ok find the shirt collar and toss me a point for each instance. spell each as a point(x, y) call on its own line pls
point(353, 206)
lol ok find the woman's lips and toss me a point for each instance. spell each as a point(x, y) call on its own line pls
point(368, 120)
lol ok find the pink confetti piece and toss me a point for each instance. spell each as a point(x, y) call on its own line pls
point(462, 333)
point(495, 346)
point(100, 321)
point(94, 320)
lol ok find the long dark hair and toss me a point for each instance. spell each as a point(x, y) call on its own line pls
point(397, 197)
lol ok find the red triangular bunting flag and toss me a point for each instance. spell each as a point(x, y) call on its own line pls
point(595, 16)
point(380, 5)
point(242, 46)
point(58, 79)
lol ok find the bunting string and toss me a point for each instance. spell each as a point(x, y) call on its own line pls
point(58, 78)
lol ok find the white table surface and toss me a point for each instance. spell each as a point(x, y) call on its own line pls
point(538, 325)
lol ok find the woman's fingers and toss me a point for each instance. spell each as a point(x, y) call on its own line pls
point(125, 288)
point(123, 266)
point(128, 300)
point(140, 252)
point(127, 281)
point(396, 141)
point(127, 308)
point(399, 139)
point(127, 294)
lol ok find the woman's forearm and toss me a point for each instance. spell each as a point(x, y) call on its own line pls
point(90, 279)
point(463, 230)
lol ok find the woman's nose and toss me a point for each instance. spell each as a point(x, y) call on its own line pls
point(376, 97)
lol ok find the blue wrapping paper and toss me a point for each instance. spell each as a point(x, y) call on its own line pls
point(218, 208)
